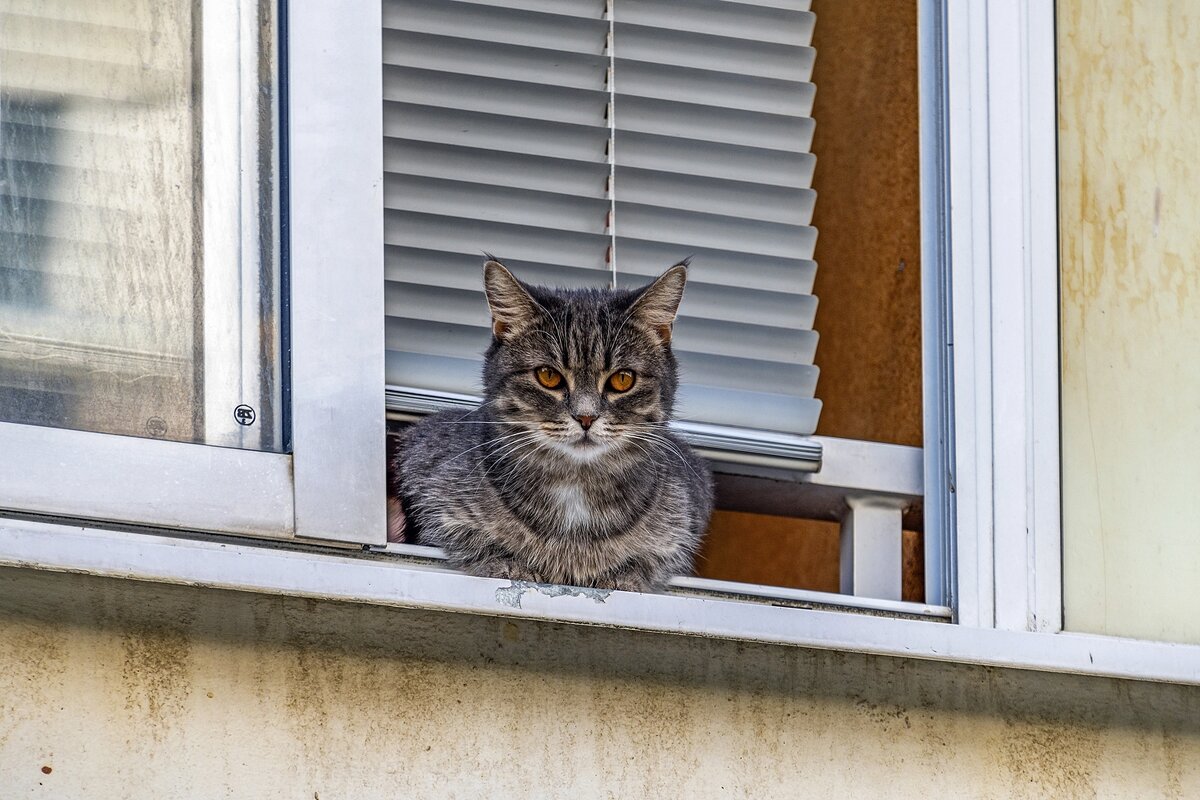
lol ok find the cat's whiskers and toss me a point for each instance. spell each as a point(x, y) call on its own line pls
point(663, 443)
point(485, 444)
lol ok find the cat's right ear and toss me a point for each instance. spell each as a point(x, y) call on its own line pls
point(513, 308)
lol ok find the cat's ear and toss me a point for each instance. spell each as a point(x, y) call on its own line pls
point(513, 308)
point(658, 303)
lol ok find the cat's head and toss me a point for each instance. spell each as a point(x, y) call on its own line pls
point(587, 372)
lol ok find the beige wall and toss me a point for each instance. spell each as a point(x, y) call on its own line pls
point(123, 689)
point(1129, 112)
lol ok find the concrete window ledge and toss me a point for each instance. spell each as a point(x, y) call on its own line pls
point(380, 579)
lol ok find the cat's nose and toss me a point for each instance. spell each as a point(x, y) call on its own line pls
point(585, 420)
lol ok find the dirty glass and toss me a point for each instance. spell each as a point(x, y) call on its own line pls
point(138, 248)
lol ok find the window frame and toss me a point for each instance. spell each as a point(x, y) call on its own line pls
point(997, 463)
point(1004, 325)
point(330, 486)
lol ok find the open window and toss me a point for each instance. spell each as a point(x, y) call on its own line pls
point(590, 143)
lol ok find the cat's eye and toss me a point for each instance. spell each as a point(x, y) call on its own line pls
point(621, 381)
point(550, 378)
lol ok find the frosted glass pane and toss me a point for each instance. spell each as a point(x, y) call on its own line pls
point(119, 179)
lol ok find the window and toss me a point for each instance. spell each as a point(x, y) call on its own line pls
point(142, 309)
point(593, 144)
point(243, 110)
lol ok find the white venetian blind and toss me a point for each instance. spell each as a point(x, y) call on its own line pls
point(585, 142)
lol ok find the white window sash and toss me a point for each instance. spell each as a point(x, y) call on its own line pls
point(332, 486)
point(1003, 230)
point(335, 151)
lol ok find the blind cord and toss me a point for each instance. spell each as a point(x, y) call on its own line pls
point(609, 10)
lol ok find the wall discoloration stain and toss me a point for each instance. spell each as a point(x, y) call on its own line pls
point(154, 672)
point(355, 701)
point(1129, 180)
point(1050, 760)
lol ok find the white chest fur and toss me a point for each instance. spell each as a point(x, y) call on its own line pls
point(572, 507)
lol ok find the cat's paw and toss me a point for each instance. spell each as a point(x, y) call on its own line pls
point(397, 523)
point(626, 583)
point(504, 570)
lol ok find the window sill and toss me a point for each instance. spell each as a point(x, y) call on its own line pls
point(379, 580)
point(687, 586)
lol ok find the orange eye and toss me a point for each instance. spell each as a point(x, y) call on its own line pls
point(550, 378)
point(621, 381)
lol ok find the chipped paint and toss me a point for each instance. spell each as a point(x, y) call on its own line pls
point(510, 596)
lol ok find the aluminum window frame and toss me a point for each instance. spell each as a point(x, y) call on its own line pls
point(331, 486)
point(1003, 247)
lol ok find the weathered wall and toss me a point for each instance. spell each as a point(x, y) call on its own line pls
point(1129, 108)
point(116, 689)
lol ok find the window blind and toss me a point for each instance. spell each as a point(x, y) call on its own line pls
point(587, 143)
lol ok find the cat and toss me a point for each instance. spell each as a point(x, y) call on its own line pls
point(567, 472)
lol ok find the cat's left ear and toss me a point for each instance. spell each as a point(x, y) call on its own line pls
point(658, 303)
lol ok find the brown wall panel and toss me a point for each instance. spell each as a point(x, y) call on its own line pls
point(868, 219)
point(798, 553)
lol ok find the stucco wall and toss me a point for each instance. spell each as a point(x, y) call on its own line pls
point(1129, 105)
point(118, 689)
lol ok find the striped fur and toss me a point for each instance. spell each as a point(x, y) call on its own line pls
point(517, 488)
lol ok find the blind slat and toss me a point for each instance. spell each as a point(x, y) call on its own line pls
point(748, 307)
point(691, 156)
point(710, 88)
point(711, 52)
point(515, 170)
point(516, 242)
point(464, 270)
point(768, 375)
point(713, 123)
point(493, 23)
point(643, 261)
point(745, 340)
point(455, 304)
point(439, 373)
point(783, 204)
point(437, 338)
point(495, 133)
point(748, 409)
point(567, 212)
point(715, 17)
point(685, 228)
point(467, 56)
point(494, 96)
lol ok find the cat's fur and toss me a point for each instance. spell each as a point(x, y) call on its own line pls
point(513, 490)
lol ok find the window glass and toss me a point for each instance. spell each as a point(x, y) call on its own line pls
point(138, 268)
point(1129, 108)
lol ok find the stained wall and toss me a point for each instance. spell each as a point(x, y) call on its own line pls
point(1129, 195)
point(118, 689)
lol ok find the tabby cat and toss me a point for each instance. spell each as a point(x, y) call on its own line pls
point(566, 473)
